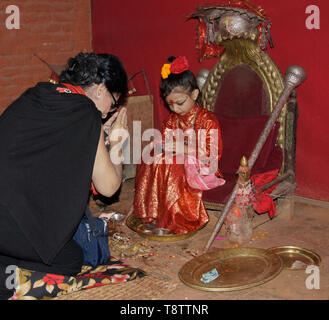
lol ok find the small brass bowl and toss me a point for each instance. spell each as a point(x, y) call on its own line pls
point(136, 224)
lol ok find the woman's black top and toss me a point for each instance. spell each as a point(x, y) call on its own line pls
point(48, 143)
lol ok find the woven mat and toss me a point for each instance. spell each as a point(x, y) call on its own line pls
point(153, 289)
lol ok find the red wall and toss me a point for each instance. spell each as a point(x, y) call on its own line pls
point(144, 33)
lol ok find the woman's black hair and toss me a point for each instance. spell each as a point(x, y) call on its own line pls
point(186, 80)
point(86, 69)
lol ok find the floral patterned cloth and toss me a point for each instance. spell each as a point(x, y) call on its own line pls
point(34, 285)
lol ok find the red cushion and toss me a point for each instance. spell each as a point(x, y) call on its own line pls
point(221, 194)
point(239, 139)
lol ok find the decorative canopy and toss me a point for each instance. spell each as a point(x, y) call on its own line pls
point(233, 19)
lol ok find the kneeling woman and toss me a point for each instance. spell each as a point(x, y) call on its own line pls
point(51, 149)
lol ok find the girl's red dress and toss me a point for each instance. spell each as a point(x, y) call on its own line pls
point(162, 194)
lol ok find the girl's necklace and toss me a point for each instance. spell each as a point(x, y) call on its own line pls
point(193, 121)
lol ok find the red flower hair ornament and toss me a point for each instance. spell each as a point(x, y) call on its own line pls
point(179, 65)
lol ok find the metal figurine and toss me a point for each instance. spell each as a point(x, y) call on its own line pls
point(238, 222)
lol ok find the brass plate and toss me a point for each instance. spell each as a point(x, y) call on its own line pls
point(296, 258)
point(133, 223)
point(238, 269)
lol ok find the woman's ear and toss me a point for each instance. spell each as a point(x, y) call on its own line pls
point(195, 94)
point(92, 91)
point(99, 90)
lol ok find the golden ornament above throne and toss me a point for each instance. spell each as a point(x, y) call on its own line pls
point(242, 89)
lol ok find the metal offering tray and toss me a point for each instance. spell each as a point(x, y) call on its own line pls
point(238, 269)
point(296, 258)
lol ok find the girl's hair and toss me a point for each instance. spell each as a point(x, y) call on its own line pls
point(186, 80)
point(86, 69)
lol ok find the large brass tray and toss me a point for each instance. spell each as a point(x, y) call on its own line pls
point(238, 269)
point(296, 258)
point(134, 223)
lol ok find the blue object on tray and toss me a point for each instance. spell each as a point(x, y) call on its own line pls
point(209, 276)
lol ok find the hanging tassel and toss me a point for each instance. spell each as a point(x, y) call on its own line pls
point(269, 37)
point(263, 41)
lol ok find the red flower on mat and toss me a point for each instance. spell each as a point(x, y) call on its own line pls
point(95, 285)
point(92, 275)
point(97, 275)
point(179, 65)
point(53, 278)
point(119, 278)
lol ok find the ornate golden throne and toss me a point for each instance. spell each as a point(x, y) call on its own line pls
point(242, 89)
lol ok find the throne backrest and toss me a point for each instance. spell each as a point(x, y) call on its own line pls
point(241, 94)
point(245, 83)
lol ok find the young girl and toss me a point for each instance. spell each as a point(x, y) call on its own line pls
point(169, 193)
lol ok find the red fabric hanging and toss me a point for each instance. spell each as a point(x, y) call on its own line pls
point(262, 201)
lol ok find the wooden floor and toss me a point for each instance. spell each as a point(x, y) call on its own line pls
point(308, 229)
